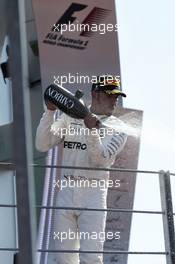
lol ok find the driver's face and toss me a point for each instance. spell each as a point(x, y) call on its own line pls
point(107, 102)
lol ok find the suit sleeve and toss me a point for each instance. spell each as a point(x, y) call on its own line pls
point(45, 139)
point(103, 152)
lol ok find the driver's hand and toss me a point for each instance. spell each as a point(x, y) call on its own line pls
point(50, 106)
point(91, 121)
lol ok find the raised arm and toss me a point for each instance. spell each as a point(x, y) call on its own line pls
point(45, 139)
point(103, 151)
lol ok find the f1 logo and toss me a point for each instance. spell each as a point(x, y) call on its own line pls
point(95, 16)
point(67, 16)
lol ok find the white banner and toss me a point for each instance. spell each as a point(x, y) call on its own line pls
point(86, 46)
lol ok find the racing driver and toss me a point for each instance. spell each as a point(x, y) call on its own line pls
point(93, 149)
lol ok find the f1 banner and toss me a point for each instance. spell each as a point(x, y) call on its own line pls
point(77, 42)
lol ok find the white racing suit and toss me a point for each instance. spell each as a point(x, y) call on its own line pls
point(76, 229)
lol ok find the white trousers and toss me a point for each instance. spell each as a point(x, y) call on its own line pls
point(79, 230)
